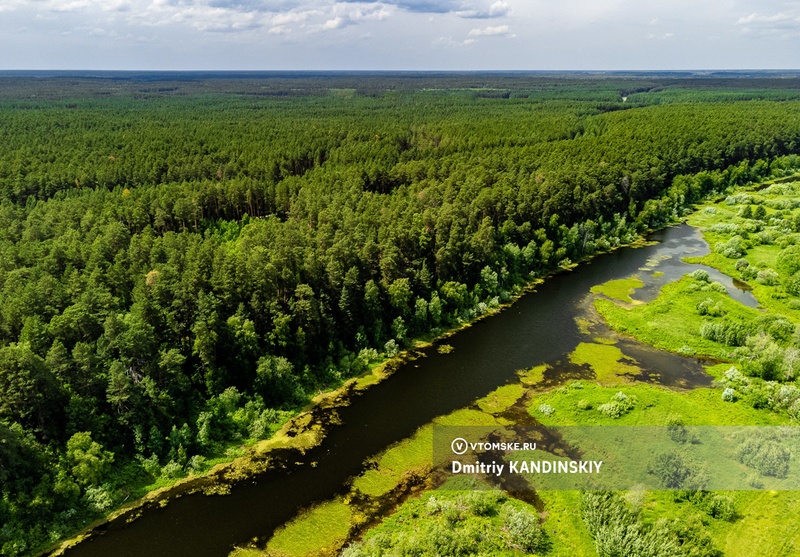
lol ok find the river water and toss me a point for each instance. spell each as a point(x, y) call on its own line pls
point(538, 328)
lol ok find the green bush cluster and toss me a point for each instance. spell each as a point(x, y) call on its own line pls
point(442, 523)
point(619, 405)
point(618, 531)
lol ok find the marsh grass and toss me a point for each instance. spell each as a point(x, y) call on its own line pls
point(607, 362)
point(620, 289)
point(672, 321)
point(501, 399)
point(322, 528)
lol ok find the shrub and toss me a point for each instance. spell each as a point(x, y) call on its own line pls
point(484, 502)
point(729, 395)
point(710, 308)
point(524, 530)
point(391, 349)
point(768, 455)
point(99, 498)
point(730, 333)
point(172, 470)
point(742, 264)
point(767, 277)
point(792, 286)
point(677, 428)
point(720, 507)
point(700, 275)
point(675, 471)
point(619, 405)
point(788, 262)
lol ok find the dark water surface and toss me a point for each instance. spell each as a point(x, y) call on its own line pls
point(540, 327)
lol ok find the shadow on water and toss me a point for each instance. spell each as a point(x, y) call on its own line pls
point(539, 327)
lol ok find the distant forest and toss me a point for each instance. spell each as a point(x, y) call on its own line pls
point(184, 262)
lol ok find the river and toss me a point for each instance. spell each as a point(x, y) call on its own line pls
point(540, 327)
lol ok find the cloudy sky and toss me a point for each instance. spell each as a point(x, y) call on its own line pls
point(399, 34)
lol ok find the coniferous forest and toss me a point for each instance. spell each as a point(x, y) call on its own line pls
point(184, 262)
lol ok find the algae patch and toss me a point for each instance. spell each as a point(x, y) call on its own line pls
point(321, 529)
point(501, 399)
point(620, 289)
point(605, 360)
point(534, 375)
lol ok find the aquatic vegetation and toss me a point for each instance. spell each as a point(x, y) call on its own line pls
point(620, 289)
point(607, 361)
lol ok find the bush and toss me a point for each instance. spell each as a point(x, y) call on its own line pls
point(792, 285)
point(720, 507)
point(732, 249)
point(750, 273)
point(391, 349)
point(99, 498)
point(729, 395)
point(710, 308)
point(618, 532)
point(484, 502)
point(678, 472)
point(172, 470)
point(730, 333)
point(677, 428)
point(717, 287)
point(619, 405)
point(742, 264)
point(767, 455)
point(546, 409)
point(524, 530)
point(788, 262)
point(767, 277)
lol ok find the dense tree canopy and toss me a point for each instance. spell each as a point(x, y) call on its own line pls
point(176, 270)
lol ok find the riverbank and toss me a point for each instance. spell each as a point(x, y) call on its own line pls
point(300, 433)
point(670, 321)
point(459, 349)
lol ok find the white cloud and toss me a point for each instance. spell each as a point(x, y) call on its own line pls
point(10, 5)
point(407, 34)
point(780, 25)
point(300, 16)
point(496, 10)
point(335, 23)
point(497, 31)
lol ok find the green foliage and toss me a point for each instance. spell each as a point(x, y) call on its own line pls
point(175, 272)
point(524, 530)
point(618, 531)
point(88, 461)
point(619, 405)
point(767, 455)
point(444, 523)
point(675, 471)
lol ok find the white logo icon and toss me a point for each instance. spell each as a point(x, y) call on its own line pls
point(459, 445)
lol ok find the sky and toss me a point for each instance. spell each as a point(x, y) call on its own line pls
point(399, 34)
